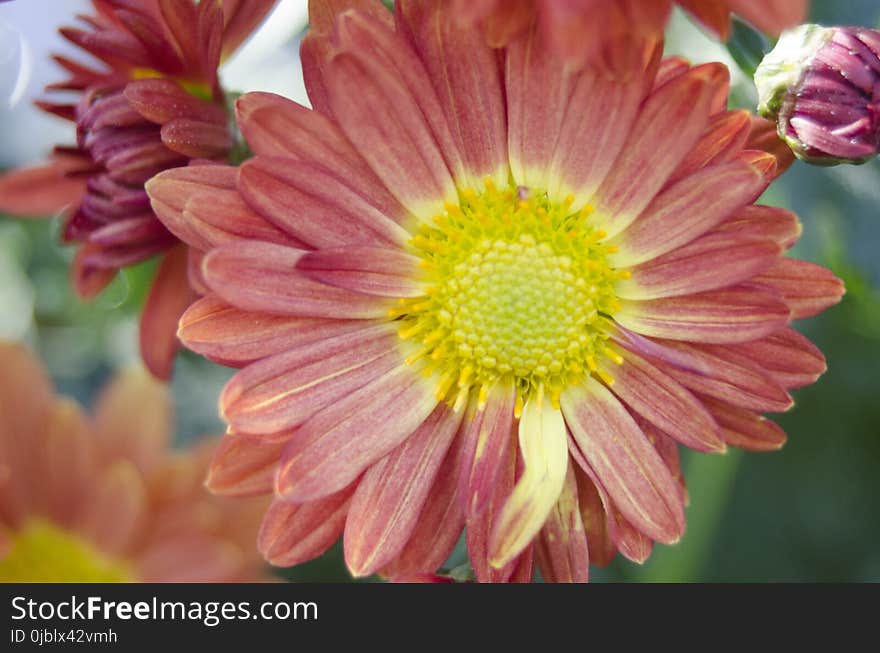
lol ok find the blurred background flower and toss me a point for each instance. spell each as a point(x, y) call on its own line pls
point(100, 497)
point(804, 513)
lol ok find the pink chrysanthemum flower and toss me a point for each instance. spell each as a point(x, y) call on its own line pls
point(101, 498)
point(603, 33)
point(488, 297)
point(154, 103)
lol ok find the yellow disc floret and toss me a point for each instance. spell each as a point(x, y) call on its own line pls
point(41, 553)
point(518, 286)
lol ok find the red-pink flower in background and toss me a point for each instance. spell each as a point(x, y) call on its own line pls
point(153, 103)
point(102, 498)
point(490, 298)
point(604, 33)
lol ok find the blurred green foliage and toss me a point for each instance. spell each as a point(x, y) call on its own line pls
point(806, 513)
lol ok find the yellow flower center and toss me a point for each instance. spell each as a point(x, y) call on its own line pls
point(518, 285)
point(196, 89)
point(42, 553)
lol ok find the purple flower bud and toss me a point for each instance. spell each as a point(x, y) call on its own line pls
point(822, 87)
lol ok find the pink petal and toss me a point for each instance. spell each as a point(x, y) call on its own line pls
point(728, 375)
point(277, 127)
point(465, 73)
point(745, 429)
point(599, 117)
point(389, 499)
point(710, 262)
point(629, 468)
point(680, 106)
point(538, 89)
point(169, 297)
point(395, 120)
point(39, 192)
point(215, 329)
point(687, 210)
point(735, 314)
point(601, 546)
point(765, 222)
point(722, 140)
point(244, 466)
point(807, 288)
point(262, 277)
point(292, 533)
point(331, 448)
point(479, 528)
point(282, 391)
point(315, 205)
point(562, 548)
point(367, 270)
point(662, 401)
point(487, 438)
point(439, 525)
point(789, 358)
point(170, 191)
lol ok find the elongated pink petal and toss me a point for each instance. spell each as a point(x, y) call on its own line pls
point(282, 391)
point(625, 463)
point(544, 449)
point(649, 155)
point(389, 499)
point(292, 533)
point(169, 192)
point(367, 270)
point(465, 73)
point(537, 87)
point(331, 448)
point(480, 527)
point(791, 359)
point(766, 222)
point(197, 139)
point(262, 277)
point(807, 288)
point(487, 438)
point(708, 263)
point(222, 215)
point(439, 525)
point(277, 127)
point(726, 134)
point(240, 19)
point(169, 297)
point(736, 314)
point(728, 375)
point(395, 119)
point(601, 546)
point(600, 115)
point(215, 329)
point(687, 210)
point(39, 192)
point(562, 548)
point(315, 205)
point(244, 466)
point(663, 402)
point(745, 429)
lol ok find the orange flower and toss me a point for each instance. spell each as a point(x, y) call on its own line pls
point(101, 498)
point(154, 103)
point(481, 290)
point(602, 33)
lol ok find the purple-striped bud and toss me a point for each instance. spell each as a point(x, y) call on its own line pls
point(822, 87)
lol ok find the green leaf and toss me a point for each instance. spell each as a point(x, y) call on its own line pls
point(747, 46)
